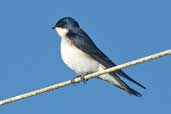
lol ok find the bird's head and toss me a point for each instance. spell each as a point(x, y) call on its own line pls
point(66, 23)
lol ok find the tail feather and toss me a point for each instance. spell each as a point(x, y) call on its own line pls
point(134, 92)
point(125, 87)
point(115, 80)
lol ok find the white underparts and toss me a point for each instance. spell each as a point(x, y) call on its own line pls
point(79, 61)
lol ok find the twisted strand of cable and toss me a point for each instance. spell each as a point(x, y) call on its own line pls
point(93, 75)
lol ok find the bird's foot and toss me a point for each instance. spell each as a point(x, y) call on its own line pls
point(73, 79)
point(82, 79)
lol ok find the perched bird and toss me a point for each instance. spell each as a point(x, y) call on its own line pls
point(80, 54)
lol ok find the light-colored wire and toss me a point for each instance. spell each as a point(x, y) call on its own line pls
point(76, 80)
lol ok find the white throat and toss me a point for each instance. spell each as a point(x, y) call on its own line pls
point(61, 31)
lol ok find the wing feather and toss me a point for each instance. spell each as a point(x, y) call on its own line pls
point(82, 41)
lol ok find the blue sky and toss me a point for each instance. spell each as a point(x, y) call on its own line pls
point(125, 30)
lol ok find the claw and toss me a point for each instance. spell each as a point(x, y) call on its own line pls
point(73, 80)
point(82, 79)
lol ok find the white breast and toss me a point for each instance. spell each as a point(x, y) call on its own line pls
point(77, 60)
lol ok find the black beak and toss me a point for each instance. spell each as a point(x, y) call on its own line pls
point(53, 28)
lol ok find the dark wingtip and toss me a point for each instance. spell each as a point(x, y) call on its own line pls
point(140, 85)
point(123, 74)
point(143, 87)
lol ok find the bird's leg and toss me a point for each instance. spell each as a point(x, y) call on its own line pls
point(82, 78)
point(72, 81)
